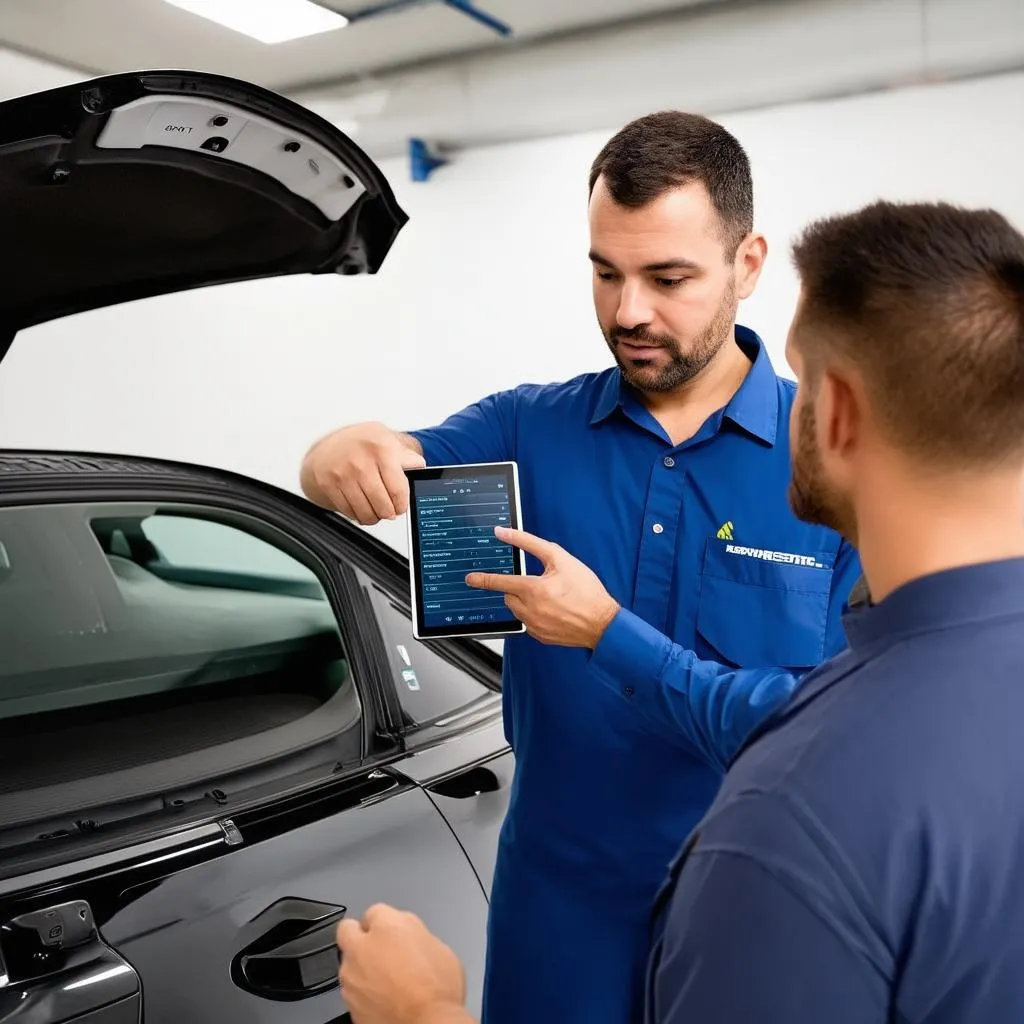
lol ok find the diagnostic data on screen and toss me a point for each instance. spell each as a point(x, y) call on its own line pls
point(456, 518)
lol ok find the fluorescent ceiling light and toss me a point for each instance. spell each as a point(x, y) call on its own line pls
point(269, 21)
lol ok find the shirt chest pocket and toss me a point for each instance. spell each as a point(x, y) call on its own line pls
point(761, 608)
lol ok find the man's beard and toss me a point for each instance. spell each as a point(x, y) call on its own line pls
point(812, 497)
point(683, 367)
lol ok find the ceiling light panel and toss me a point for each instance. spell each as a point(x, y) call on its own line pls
point(269, 21)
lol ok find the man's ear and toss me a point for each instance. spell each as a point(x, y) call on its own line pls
point(840, 416)
point(750, 257)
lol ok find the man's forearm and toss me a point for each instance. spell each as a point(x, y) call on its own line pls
point(707, 708)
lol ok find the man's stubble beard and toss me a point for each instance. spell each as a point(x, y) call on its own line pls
point(684, 366)
point(812, 497)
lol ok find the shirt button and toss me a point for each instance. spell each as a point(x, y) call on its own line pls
point(669, 462)
point(628, 691)
point(658, 528)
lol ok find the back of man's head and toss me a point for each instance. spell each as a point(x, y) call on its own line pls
point(926, 302)
point(662, 151)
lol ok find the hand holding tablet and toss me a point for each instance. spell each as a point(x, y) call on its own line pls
point(453, 511)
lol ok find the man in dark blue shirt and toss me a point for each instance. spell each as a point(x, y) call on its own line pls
point(862, 862)
point(674, 599)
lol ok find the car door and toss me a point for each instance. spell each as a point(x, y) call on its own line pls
point(450, 697)
point(205, 762)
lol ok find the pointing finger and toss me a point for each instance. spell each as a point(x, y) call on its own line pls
point(502, 582)
point(541, 549)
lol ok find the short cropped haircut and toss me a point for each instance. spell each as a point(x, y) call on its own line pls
point(927, 301)
point(667, 150)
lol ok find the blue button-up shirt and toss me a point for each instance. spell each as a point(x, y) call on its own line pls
point(863, 863)
point(727, 600)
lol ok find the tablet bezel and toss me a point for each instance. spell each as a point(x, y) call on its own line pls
point(485, 631)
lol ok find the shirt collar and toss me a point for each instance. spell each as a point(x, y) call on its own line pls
point(754, 407)
point(860, 595)
point(952, 597)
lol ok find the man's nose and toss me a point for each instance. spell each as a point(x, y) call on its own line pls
point(633, 309)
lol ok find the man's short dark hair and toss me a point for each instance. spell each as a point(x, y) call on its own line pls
point(927, 301)
point(663, 151)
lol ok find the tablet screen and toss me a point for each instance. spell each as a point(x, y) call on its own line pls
point(453, 511)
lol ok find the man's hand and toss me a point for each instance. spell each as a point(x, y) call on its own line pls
point(567, 605)
point(393, 971)
point(360, 472)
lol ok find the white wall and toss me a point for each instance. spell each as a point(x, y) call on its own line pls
point(487, 286)
point(21, 74)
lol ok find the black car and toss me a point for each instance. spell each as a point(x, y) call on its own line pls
point(217, 735)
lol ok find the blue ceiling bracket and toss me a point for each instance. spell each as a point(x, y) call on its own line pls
point(423, 161)
point(466, 7)
point(470, 9)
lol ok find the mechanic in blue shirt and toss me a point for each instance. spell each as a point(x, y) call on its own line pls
point(674, 601)
point(861, 863)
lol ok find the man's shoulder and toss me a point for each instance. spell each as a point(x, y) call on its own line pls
point(787, 388)
point(784, 798)
point(839, 710)
point(583, 386)
point(886, 719)
point(563, 404)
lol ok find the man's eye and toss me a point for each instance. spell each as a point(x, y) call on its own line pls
point(671, 282)
point(606, 275)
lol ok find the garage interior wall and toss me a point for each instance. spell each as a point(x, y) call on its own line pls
point(488, 286)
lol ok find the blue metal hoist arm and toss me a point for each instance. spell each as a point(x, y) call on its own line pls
point(466, 7)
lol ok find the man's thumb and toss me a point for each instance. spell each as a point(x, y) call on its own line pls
point(347, 932)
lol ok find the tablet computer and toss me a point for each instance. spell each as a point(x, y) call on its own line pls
point(453, 511)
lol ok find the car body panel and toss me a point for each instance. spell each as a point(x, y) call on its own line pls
point(179, 917)
point(188, 925)
point(474, 803)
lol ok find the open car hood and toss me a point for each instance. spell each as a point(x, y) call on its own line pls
point(146, 183)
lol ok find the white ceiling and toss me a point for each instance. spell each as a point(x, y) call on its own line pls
point(103, 36)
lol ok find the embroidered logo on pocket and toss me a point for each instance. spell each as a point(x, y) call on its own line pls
point(725, 531)
point(774, 556)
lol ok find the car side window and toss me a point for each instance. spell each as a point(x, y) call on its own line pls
point(134, 634)
point(429, 687)
point(188, 542)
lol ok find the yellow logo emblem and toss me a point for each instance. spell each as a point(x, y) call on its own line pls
point(725, 531)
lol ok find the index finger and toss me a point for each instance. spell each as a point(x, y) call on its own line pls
point(377, 913)
point(504, 583)
point(541, 549)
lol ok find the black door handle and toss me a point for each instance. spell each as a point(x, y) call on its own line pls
point(471, 782)
point(290, 951)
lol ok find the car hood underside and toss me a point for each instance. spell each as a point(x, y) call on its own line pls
point(142, 184)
